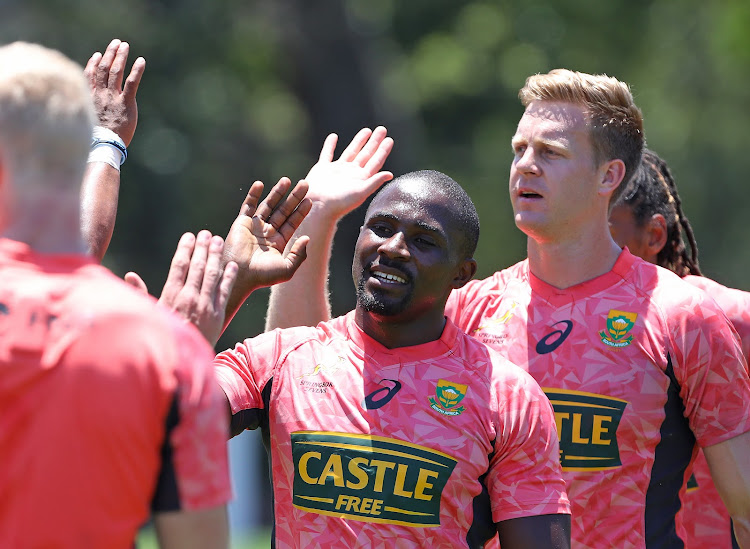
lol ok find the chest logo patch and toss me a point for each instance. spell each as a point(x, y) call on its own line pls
point(619, 324)
point(369, 478)
point(448, 396)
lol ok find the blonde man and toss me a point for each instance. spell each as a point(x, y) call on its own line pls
point(109, 409)
point(638, 364)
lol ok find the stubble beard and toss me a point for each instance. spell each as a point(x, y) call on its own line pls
point(374, 302)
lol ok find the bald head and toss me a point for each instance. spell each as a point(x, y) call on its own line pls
point(425, 185)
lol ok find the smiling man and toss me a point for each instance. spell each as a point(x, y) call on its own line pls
point(639, 365)
point(389, 425)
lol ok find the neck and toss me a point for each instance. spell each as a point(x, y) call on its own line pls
point(393, 333)
point(563, 264)
point(49, 224)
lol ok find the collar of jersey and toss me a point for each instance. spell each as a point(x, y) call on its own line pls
point(558, 297)
point(424, 351)
point(14, 252)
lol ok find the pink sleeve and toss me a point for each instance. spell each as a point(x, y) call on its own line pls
point(198, 426)
point(525, 477)
point(457, 304)
point(711, 371)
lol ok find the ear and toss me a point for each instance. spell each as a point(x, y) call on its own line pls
point(656, 231)
point(466, 271)
point(613, 172)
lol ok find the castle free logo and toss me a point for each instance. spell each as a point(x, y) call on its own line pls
point(369, 478)
point(619, 324)
point(448, 396)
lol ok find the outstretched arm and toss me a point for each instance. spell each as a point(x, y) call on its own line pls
point(259, 239)
point(116, 110)
point(336, 188)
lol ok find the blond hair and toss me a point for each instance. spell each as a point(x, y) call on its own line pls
point(46, 116)
point(615, 122)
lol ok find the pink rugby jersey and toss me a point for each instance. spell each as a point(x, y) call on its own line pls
point(636, 364)
point(426, 446)
point(706, 519)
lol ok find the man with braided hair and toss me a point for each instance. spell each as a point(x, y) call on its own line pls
point(635, 361)
point(649, 220)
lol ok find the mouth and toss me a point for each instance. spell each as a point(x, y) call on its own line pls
point(389, 276)
point(529, 194)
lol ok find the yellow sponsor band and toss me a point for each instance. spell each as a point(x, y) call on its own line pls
point(343, 445)
point(322, 500)
point(582, 404)
point(554, 391)
point(366, 519)
point(374, 438)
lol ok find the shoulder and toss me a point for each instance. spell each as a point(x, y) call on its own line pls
point(497, 282)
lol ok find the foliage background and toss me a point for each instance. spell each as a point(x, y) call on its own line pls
point(241, 90)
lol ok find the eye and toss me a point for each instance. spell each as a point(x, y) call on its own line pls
point(519, 149)
point(551, 152)
point(381, 229)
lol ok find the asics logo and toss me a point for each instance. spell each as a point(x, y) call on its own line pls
point(380, 397)
point(555, 338)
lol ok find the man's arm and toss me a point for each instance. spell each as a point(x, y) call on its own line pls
point(729, 462)
point(541, 531)
point(206, 529)
point(336, 188)
point(116, 110)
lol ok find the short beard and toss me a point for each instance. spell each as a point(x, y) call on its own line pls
point(373, 303)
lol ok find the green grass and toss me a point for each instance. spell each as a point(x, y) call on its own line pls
point(261, 540)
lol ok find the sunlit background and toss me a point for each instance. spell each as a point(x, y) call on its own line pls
point(236, 91)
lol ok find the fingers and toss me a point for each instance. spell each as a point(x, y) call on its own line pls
point(266, 208)
point(297, 254)
point(225, 287)
point(288, 206)
point(198, 261)
point(178, 269)
point(378, 158)
point(136, 282)
point(102, 70)
point(377, 137)
point(376, 181)
point(329, 147)
point(134, 79)
point(91, 66)
point(356, 145)
point(213, 273)
point(294, 220)
point(251, 200)
point(117, 69)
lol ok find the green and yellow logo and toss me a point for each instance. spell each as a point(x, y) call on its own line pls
point(619, 324)
point(448, 396)
point(369, 478)
point(587, 426)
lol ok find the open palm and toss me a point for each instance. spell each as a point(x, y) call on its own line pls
point(261, 232)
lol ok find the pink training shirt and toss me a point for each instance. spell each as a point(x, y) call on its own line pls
point(636, 363)
point(109, 407)
point(706, 520)
point(425, 446)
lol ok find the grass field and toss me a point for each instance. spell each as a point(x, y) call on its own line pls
point(262, 540)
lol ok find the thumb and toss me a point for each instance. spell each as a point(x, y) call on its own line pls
point(136, 282)
point(297, 254)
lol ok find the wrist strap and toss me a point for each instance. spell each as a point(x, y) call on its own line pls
point(104, 136)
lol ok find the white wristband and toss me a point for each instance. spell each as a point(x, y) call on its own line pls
point(108, 138)
point(106, 152)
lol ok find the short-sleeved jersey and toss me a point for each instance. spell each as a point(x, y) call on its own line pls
point(706, 520)
point(636, 363)
point(109, 408)
point(426, 446)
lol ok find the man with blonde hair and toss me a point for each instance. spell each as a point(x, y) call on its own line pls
point(109, 409)
point(639, 365)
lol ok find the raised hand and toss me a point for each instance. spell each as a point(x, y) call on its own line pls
point(339, 186)
point(197, 288)
point(115, 104)
point(261, 232)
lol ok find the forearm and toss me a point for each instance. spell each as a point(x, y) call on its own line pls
point(304, 299)
point(99, 195)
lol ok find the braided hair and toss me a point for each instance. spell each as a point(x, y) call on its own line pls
point(653, 191)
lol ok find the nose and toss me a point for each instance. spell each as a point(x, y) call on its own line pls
point(526, 162)
point(395, 247)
